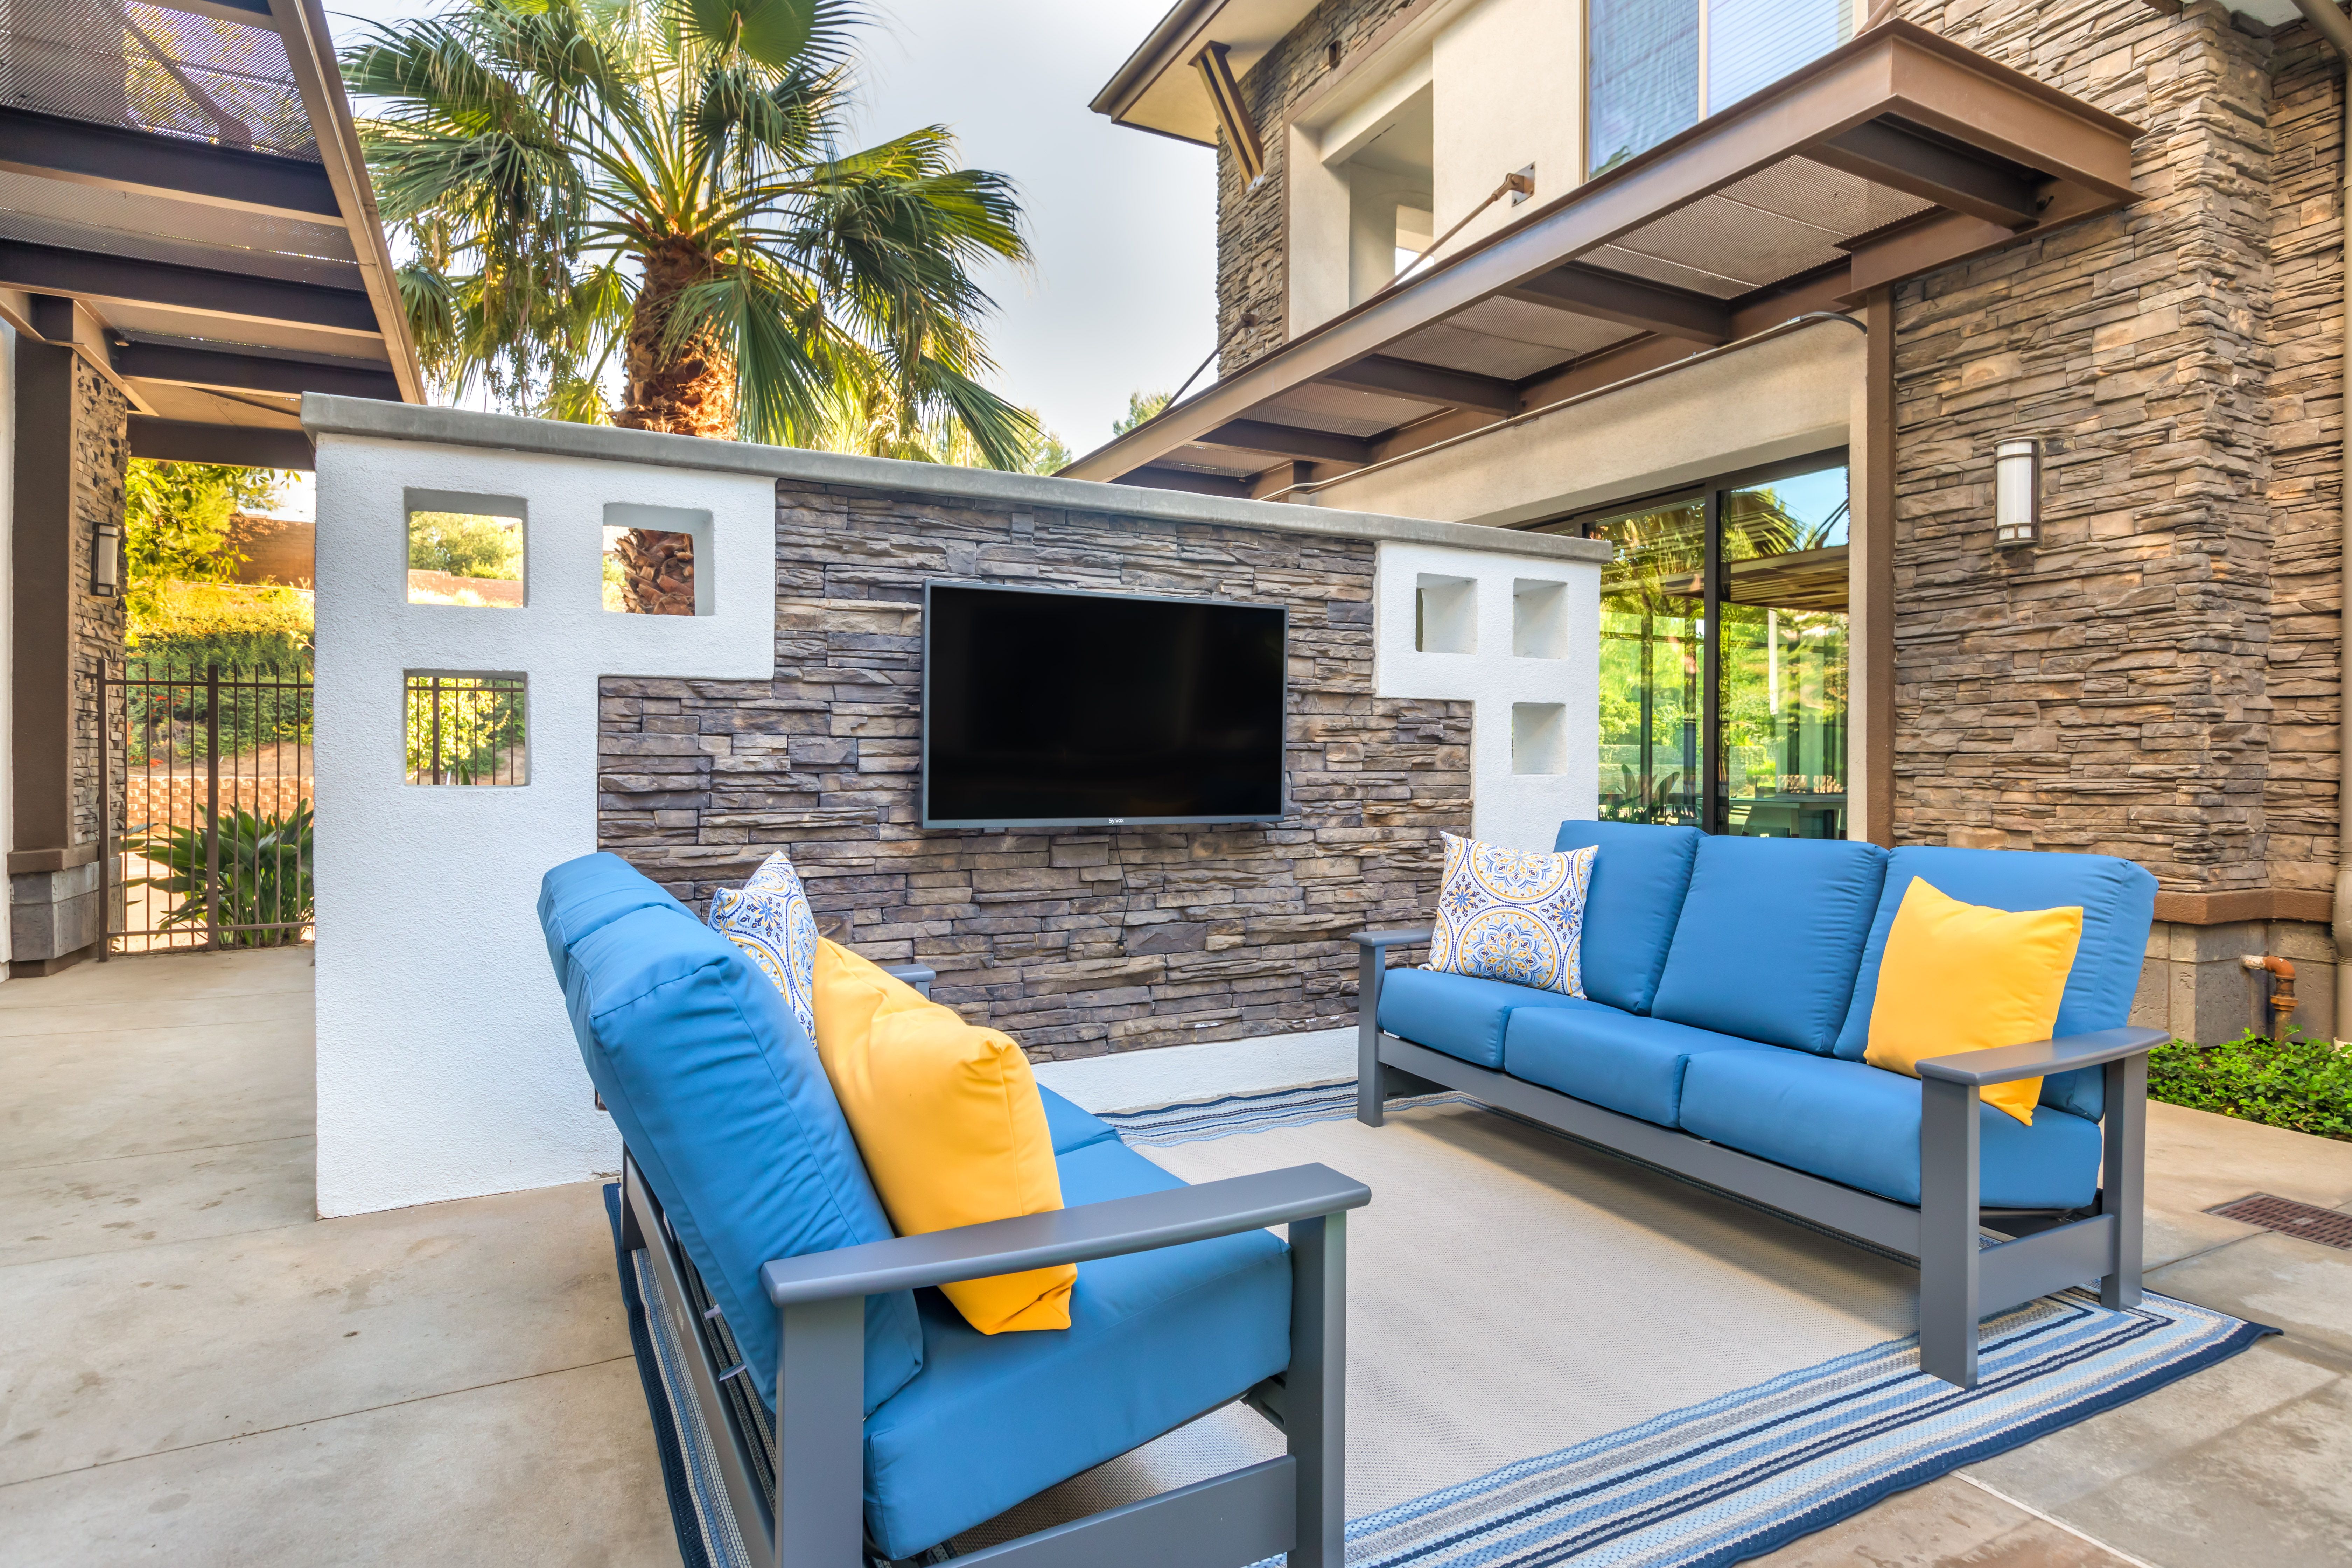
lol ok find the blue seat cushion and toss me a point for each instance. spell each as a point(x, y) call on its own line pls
point(727, 1112)
point(1071, 1128)
point(1626, 1063)
point(1461, 1015)
point(1639, 877)
point(587, 893)
point(1155, 1339)
point(1851, 1123)
point(2119, 900)
point(1770, 938)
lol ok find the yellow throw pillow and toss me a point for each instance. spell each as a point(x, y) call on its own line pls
point(946, 1117)
point(1961, 977)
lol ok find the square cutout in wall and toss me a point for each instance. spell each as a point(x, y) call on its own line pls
point(465, 551)
point(1445, 614)
point(1538, 619)
point(657, 561)
point(1538, 738)
point(468, 727)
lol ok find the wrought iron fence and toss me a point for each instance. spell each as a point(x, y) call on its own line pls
point(467, 730)
point(208, 817)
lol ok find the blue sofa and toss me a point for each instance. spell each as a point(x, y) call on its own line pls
point(877, 1421)
point(1729, 988)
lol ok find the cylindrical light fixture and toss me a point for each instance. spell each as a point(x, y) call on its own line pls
point(106, 558)
point(2017, 492)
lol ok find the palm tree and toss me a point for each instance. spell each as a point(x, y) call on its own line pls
point(660, 180)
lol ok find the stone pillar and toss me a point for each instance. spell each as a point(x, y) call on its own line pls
point(71, 451)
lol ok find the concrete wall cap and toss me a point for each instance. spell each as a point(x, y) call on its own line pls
point(367, 419)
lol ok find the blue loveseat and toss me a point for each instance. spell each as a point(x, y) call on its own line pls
point(877, 1420)
point(1728, 984)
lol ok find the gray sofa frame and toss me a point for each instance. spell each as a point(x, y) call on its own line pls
point(815, 1517)
point(1972, 1262)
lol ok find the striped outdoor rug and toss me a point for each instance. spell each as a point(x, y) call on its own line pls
point(1728, 1478)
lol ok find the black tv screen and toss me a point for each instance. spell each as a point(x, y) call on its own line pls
point(1044, 709)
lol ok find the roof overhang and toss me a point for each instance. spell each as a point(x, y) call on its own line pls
point(1896, 154)
point(1157, 88)
point(184, 202)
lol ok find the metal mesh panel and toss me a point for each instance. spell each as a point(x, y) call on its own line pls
point(1814, 193)
point(118, 62)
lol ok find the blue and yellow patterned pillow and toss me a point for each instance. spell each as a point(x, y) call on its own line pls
point(1508, 914)
point(768, 917)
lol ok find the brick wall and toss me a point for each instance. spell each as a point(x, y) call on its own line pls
point(2112, 690)
point(1253, 264)
point(1076, 943)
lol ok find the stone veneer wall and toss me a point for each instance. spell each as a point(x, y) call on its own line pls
point(1076, 943)
point(1253, 262)
point(101, 458)
point(2158, 677)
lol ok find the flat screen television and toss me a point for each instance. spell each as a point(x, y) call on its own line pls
point(1044, 708)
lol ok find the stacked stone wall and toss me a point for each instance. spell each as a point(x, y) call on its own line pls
point(1076, 942)
point(2107, 689)
point(1253, 258)
point(101, 457)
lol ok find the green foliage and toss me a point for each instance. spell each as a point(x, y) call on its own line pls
point(662, 180)
point(465, 544)
point(2303, 1085)
point(264, 874)
point(175, 525)
point(1140, 406)
point(478, 736)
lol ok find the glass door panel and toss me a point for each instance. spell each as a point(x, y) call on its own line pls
point(1653, 663)
point(1781, 767)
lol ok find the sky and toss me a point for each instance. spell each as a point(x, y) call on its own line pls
point(1121, 295)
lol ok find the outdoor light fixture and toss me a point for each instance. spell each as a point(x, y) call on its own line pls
point(106, 556)
point(2017, 492)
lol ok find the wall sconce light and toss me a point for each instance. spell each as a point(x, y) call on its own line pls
point(106, 559)
point(2017, 492)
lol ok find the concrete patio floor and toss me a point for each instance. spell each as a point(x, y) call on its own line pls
point(197, 1365)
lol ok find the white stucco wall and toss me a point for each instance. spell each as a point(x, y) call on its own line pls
point(1522, 810)
point(446, 1065)
point(7, 626)
point(1788, 398)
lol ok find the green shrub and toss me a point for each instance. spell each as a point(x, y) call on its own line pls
point(2303, 1085)
point(465, 544)
point(264, 874)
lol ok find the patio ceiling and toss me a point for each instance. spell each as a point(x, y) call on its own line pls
point(1898, 152)
point(184, 202)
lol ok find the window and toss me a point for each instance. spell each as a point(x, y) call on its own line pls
point(651, 555)
point(465, 549)
point(1723, 654)
point(467, 727)
point(1657, 66)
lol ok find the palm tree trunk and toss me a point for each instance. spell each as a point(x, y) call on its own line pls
point(689, 390)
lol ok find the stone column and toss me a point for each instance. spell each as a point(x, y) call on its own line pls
point(71, 451)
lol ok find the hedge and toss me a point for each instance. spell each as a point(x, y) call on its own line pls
point(2301, 1084)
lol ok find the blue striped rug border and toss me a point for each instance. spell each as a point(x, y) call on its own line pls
point(691, 1550)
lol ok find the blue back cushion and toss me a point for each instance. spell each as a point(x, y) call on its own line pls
point(2118, 901)
point(579, 895)
point(727, 1110)
point(1639, 877)
point(1769, 939)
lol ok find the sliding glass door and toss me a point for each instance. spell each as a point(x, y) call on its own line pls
point(1723, 654)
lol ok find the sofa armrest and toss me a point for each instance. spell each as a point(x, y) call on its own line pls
point(2006, 1064)
point(1064, 1236)
point(919, 975)
point(1381, 940)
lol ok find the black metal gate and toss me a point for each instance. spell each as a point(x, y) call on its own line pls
point(208, 819)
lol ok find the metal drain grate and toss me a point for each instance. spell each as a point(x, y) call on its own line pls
point(2329, 1227)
